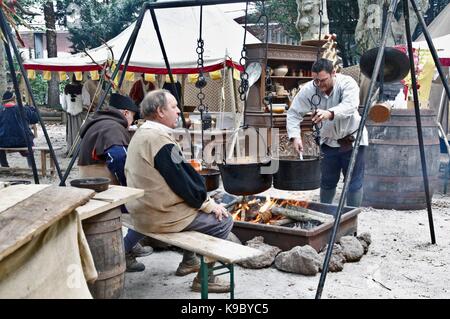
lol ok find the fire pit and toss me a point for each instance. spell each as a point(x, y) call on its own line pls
point(259, 216)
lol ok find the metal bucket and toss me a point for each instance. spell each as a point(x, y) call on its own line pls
point(295, 175)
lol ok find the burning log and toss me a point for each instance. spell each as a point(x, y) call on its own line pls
point(282, 221)
point(302, 214)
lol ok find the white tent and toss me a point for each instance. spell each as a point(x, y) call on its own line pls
point(179, 29)
point(439, 26)
point(442, 46)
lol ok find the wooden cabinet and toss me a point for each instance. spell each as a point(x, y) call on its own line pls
point(298, 60)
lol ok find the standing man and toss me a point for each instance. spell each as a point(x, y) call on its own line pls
point(175, 197)
point(337, 99)
point(103, 153)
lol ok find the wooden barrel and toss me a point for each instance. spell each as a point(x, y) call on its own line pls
point(104, 236)
point(393, 171)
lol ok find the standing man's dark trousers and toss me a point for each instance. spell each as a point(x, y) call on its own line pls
point(331, 165)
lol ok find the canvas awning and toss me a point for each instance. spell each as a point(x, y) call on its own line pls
point(179, 28)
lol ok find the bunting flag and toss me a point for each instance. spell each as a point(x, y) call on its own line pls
point(150, 77)
point(192, 78)
point(47, 75)
point(62, 76)
point(215, 75)
point(168, 78)
point(94, 75)
point(78, 76)
point(31, 74)
point(236, 75)
point(129, 76)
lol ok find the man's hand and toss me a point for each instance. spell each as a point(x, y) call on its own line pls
point(220, 211)
point(321, 115)
point(297, 144)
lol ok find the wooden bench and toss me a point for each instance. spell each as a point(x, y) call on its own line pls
point(215, 249)
point(44, 150)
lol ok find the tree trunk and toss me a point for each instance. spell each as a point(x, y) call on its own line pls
point(308, 20)
point(368, 29)
point(3, 79)
point(52, 51)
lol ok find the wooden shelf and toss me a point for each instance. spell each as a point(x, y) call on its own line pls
point(291, 77)
point(298, 59)
point(280, 96)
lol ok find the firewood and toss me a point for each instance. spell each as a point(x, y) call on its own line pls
point(281, 222)
point(302, 214)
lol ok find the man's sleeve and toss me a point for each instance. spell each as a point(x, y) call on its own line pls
point(116, 156)
point(295, 115)
point(31, 115)
point(180, 176)
point(350, 100)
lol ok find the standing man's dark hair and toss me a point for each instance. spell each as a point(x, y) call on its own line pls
point(322, 65)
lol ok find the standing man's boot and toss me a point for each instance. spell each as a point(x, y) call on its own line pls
point(3, 159)
point(354, 199)
point(327, 195)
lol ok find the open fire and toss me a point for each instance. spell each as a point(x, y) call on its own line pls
point(287, 223)
point(257, 210)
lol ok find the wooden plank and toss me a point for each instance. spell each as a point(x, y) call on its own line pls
point(117, 193)
point(94, 207)
point(205, 245)
point(111, 198)
point(25, 220)
point(14, 194)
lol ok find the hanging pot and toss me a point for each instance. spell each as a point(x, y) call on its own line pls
point(244, 177)
point(295, 174)
point(211, 177)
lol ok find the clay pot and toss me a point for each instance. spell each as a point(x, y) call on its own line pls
point(282, 70)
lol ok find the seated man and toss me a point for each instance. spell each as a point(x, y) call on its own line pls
point(103, 152)
point(175, 197)
point(13, 132)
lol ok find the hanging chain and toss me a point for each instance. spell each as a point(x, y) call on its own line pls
point(320, 27)
point(267, 101)
point(201, 81)
point(243, 86)
point(315, 101)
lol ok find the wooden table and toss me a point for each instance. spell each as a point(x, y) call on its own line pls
point(28, 211)
point(107, 200)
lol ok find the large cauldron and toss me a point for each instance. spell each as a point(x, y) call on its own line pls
point(297, 175)
point(243, 177)
point(211, 177)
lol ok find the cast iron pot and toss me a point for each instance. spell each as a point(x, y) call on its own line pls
point(245, 178)
point(211, 177)
point(297, 175)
